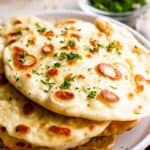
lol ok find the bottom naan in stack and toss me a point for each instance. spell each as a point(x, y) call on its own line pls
point(103, 142)
point(27, 126)
point(11, 143)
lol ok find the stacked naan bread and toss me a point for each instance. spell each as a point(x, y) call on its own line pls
point(70, 84)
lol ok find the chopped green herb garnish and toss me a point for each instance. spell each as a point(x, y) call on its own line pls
point(16, 78)
point(63, 47)
point(66, 28)
point(48, 38)
point(76, 88)
point(147, 71)
point(91, 95)
point(73, 56)
point(47, 66)
point(67, 83)
point(136, 111)
point(71, 43)
point(29, 42)
point(69, 56)
point(62, 41)
point(84, 89)
point(65, 31)
point(113, 87)
point(22, 57)
point(37, 25)
point(35, 72)
point(39, 28)
point(55, 55)
point(87, 48)
point(96, 47)
point(42, 57)
point(89, 69)
point(57, 65)
point(110, 47)
point(118, 51)
point(48, 84)
point(62, 56)
point(126, 77)
point(135, 46)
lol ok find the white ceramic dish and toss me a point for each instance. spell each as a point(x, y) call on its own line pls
point(139, 137)
point(124, 16)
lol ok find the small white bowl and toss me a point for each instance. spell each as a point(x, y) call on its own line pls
point(125, 16)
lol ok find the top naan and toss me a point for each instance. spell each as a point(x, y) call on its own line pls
point(28, 122)
point(78, 69)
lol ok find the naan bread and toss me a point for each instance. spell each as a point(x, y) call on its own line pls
point(119, 127)
point(78, 69)
point(11, 143)
point(105, 140)
point(27, 121)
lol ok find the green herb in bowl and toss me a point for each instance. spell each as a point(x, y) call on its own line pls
point(117, 6)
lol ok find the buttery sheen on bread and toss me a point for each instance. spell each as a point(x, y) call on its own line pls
point(78, 69)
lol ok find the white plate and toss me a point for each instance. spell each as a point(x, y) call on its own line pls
point(139, 137)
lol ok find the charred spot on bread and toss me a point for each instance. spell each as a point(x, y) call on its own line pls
point(28, 108)
point(22, 129)
point(60, 130)
point(64, 95)
point(2, 79)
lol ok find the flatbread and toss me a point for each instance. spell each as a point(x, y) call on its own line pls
point(105, 140)
point(119, 127)
point(11, 143)
point(78, 69)
point(29, 122)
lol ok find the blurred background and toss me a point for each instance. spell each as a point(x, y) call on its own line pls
point(139, 19)
point(15, 7)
